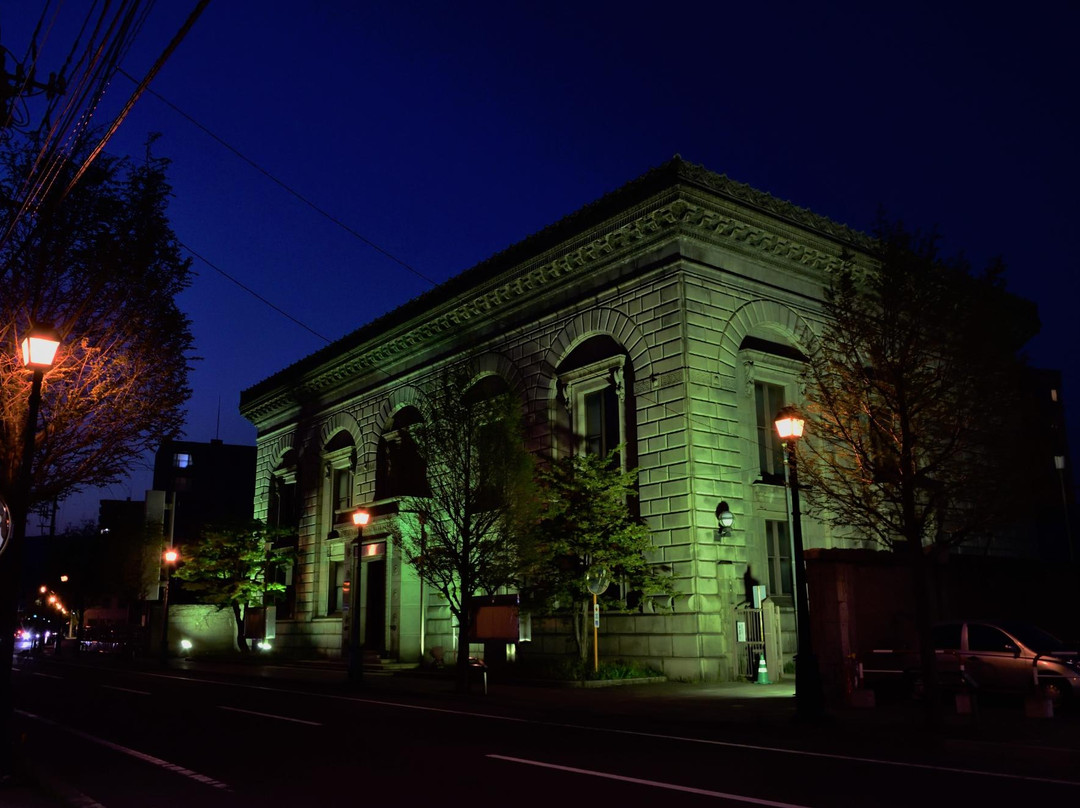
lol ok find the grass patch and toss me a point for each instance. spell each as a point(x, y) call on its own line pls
point(572, 670)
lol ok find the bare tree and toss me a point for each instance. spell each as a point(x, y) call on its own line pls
point(914, 393)
point(104, 268)
point(465, 539)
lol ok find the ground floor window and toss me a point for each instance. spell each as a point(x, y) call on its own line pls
point(779, 549)
point(336, 590)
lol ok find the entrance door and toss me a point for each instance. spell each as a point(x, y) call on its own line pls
point(375, 605)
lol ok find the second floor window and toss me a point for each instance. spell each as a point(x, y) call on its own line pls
point(601, 428)
point(343, 485)
point(769, 398)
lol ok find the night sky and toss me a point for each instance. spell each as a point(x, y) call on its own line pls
point(444, 132)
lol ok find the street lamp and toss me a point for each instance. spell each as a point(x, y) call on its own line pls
point(724, 520)
point(38, 350)
point(809, 699)
point(170, 557)
point(360, 518)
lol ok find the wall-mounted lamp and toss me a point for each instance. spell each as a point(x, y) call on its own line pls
point(725, 519)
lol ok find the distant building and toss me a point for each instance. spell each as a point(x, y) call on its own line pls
point(195, 484)
point(202, 484)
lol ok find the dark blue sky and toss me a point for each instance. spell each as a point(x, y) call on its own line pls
point(444, 132)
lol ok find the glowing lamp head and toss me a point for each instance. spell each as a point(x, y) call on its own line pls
point(171, 556)
point(39, 347)
point(789, 424)
point(360, 518)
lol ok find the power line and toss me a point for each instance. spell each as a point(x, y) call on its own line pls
point(326, 215)
point(252, 292)
point(285, 186)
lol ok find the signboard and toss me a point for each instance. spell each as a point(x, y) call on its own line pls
point(759, 595)
point(596, 615)
point(495, 618)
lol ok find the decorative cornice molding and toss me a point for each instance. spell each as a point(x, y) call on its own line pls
point(677, 211)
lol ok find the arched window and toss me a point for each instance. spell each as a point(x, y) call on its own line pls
point(400, 471)
point(283, 511)
point(772, 370)
point(596, 388)
point(486, 391)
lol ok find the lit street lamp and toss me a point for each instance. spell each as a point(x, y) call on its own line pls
point(356, 663)
point(170, 557)
point(38, 350)
point(809, 698)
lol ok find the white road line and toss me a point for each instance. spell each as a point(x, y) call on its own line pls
point(129, 690)
point(653, 783)
point(270, 715)
point(640, 734)
point(143, 756)
point(46, 675)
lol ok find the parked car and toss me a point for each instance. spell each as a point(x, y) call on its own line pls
point(1004, 656)
point(24, 639)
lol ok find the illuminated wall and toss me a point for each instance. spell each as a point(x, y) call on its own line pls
point(671, 312)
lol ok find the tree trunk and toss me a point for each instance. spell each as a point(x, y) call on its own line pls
point(241, 637)
point(924, 626)
point(581, 634)
point(462, 672)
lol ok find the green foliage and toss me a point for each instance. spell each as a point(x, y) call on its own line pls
point(233, 566)
point(578, 670)
point(584, 521)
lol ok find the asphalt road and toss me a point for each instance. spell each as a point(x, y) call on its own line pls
point(145, 737)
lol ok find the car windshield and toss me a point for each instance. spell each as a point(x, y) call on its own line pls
point(1039, 641)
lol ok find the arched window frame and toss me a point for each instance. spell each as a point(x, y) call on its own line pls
point(576, 385)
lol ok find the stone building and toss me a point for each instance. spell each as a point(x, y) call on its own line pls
point(670, 315)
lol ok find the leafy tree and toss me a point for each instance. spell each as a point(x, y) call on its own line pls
point(584, 521)
point(467, 532)
point(914, 395)
point(103, 267)
point(234, 567)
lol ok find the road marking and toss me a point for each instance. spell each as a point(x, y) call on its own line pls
point(653, 783)
point(270, 715)
point(129, 690)
point(143, 756)
point(46, 675)
point(637, 733)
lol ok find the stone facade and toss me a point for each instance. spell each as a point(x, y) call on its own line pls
point(670, 314)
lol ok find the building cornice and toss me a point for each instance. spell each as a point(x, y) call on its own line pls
point(680, 200)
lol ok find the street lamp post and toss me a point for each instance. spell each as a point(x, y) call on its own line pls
point(170, 557)
point(38, 350)
point(809, 698)
point(356, 663)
